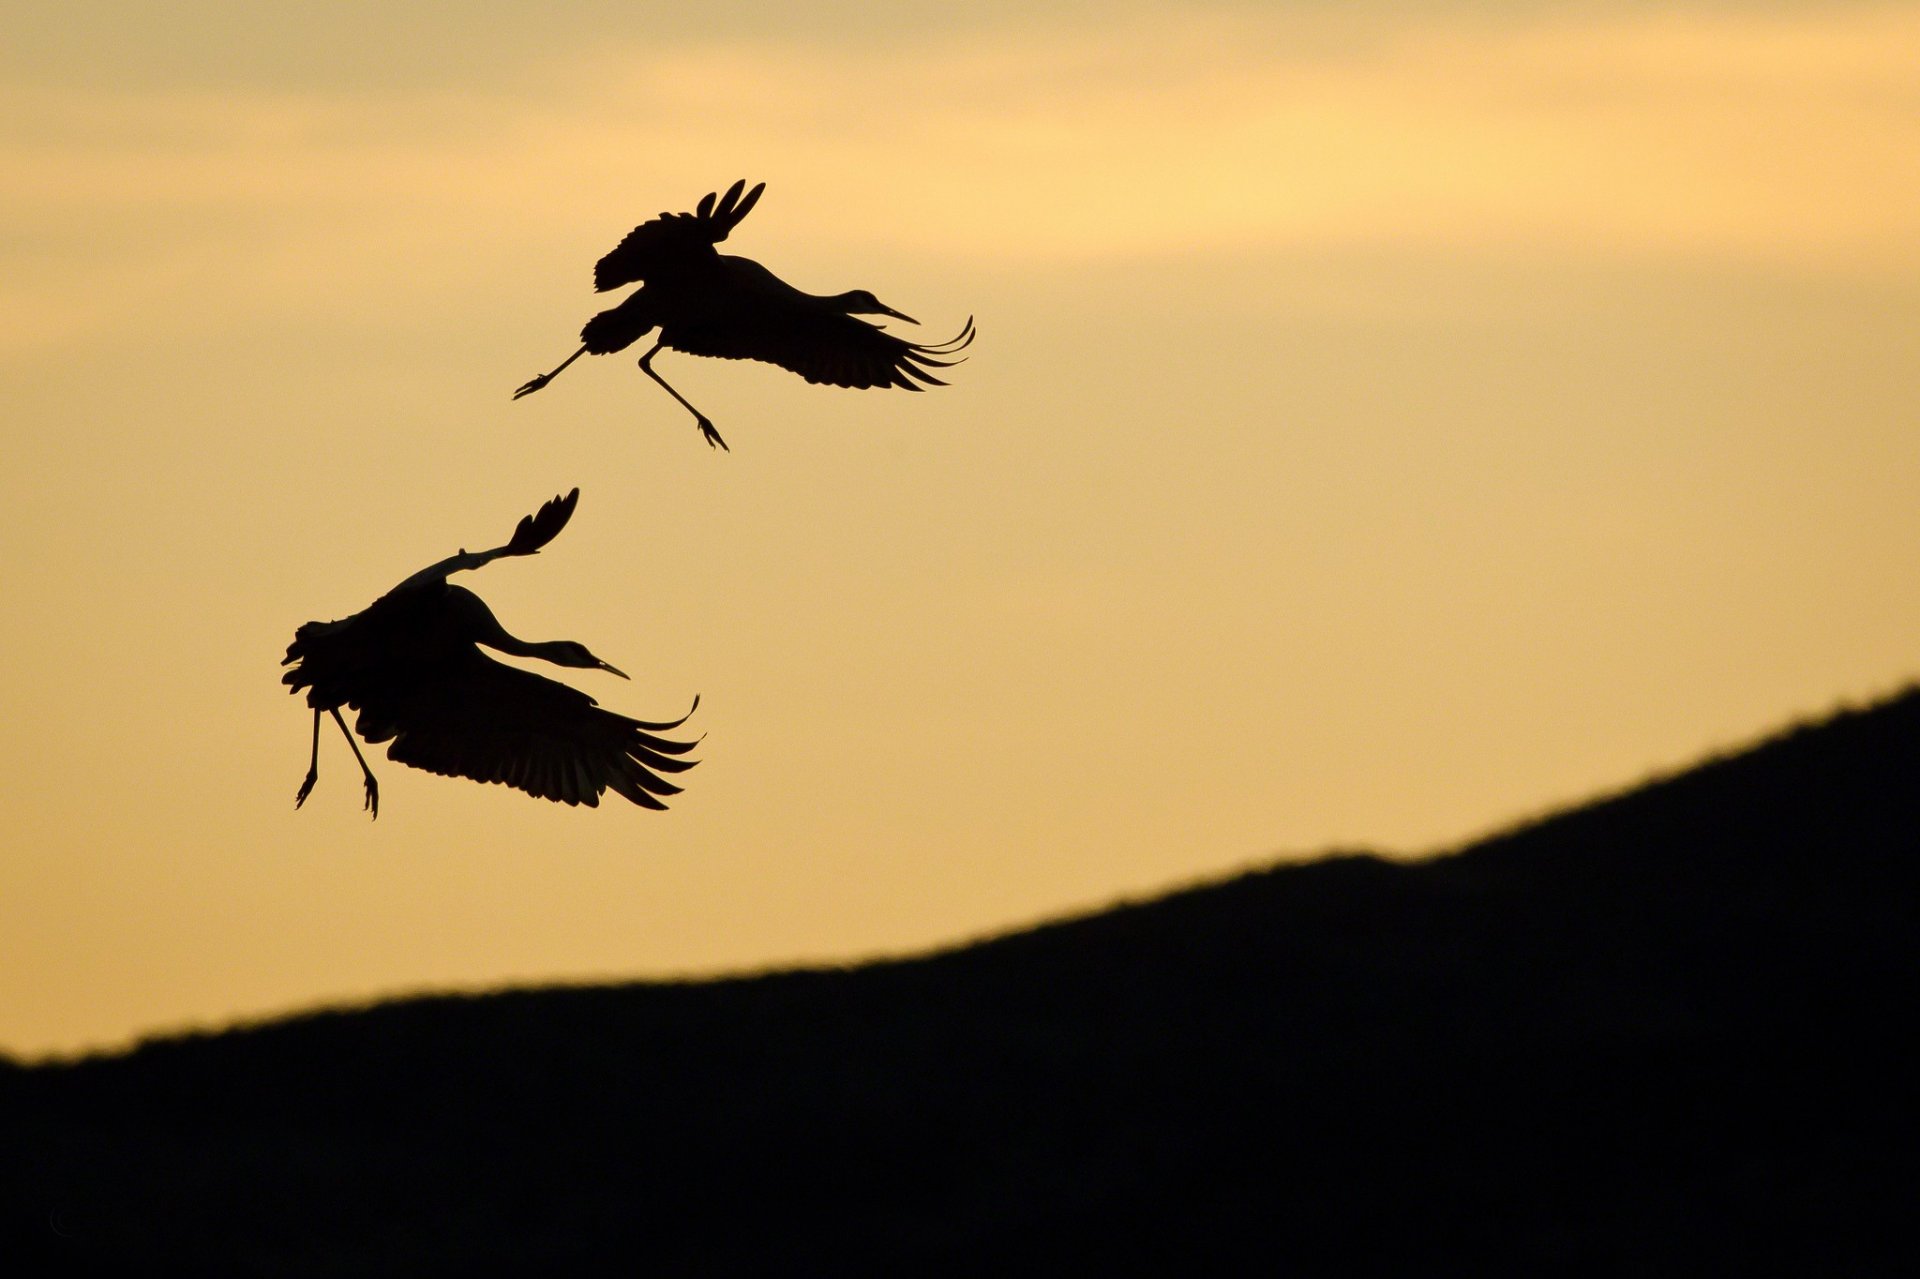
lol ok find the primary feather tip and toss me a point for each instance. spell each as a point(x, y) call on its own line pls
point(536, 530)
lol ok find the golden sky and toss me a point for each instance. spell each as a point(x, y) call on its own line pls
point(1381, 428)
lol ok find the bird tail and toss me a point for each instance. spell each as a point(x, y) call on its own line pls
point(620, 327)
point(305, 639)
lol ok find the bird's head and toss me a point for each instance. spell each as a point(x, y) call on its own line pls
point(573, 653)
point(861, 302)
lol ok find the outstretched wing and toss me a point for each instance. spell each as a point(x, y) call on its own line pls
point(675, 241)
point(497, 723)
point(824, 347)
point(536, 530)
point(529, 535)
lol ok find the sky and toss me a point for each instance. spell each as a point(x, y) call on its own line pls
point(1384, 427)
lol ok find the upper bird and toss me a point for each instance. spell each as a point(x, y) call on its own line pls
point(410, 663)
point(709, 303)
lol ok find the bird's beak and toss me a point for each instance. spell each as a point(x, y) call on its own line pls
point(609, 666)
point(898, 315)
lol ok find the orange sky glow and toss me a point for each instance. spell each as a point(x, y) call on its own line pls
point(1381, 429)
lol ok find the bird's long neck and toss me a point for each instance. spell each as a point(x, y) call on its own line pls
point(479, 625)
point(842, 302)
point(750, 275)
point(496, 637)
point(556, 651)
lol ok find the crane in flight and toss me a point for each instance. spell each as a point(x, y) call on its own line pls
point(709, 303)
point(411, 664)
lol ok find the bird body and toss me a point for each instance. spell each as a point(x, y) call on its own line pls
point(411, 664)
point(704, 302)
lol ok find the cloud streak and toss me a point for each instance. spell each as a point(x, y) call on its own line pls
point(1774, 139)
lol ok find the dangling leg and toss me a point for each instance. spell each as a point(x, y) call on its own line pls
point(313, 765)
point(706, 427)
point(545, 378)
point(373, 787)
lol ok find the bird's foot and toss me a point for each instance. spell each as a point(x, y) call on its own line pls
point(712, 436)
point(373, 797)
point(306, 788)
point(534, 385)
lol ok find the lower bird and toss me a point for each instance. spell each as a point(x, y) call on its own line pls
point(411, 664)
point(708, 303)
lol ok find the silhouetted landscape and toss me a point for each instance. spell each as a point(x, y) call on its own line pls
point(1659, 1034)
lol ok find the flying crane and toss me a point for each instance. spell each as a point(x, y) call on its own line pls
point(411, 664)
point(707, 303)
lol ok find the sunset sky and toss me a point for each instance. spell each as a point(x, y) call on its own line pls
point(1384, 426)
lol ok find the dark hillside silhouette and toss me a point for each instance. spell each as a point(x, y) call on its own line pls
point(1663, 1034)
point(709, 303)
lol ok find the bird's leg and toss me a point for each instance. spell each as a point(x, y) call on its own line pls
point(313, 765)
point(545, 378)
point(706, 427)
point(373, 787)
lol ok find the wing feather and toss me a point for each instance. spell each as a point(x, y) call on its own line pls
point(497, 723)
point(675, 242)
point(536, 530)
point(821, 346)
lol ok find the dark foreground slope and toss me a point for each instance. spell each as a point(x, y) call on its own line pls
point(1660, 1035)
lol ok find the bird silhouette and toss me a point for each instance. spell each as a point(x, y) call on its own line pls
point(410, 663)
point(709, 303)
